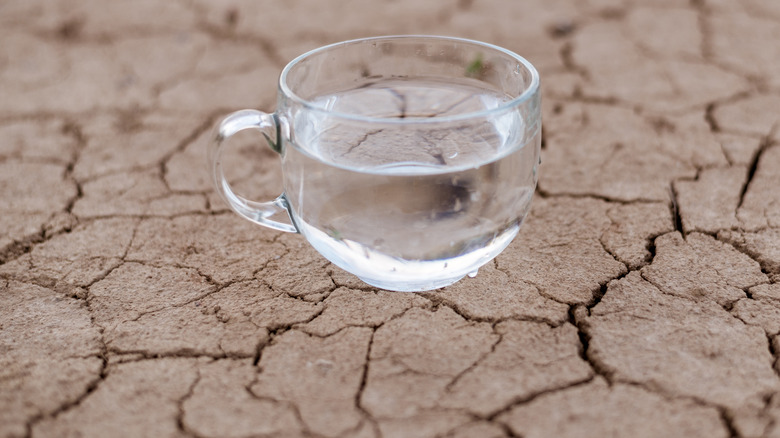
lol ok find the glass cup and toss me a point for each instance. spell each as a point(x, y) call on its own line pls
point(409, 161)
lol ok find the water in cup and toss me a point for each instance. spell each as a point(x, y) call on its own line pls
point(409, 161)
point(447, 193)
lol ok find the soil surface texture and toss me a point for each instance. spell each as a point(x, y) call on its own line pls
point(640, 299)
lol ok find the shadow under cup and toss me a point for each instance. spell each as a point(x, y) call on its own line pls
point(408, 161)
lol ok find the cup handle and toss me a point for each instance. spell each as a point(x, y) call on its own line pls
point(257, 212)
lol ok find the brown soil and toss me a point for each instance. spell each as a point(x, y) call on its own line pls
point(641, 298)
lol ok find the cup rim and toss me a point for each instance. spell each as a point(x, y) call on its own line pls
point(530, 90)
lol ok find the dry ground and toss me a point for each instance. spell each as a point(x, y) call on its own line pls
point(641, 298)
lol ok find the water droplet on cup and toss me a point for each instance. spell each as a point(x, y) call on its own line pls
point(474, 273)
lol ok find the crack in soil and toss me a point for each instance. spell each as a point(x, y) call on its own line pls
point(606, 250)
point(122, 261)
point(709, 117)
point(529, 398)
point(22, 246)
point(765, 413)
point(259, 350)
point(362, 387)
point(675, 208)
point(204, 126)
point(437, 301)
point(64, 408)
point(546, 195)
point(362, 140)
point(288, 404)
point(178, 305)
point(745, 250)
point(228, 33)
point(180, 404)
point(766, 143)
point(728, 422)
point(577, 318)
point(578, 314)
point(775, 352)
point(182, 353)
point(320, 296)
point(277, 330)
point(75, 131)
point(91, 387)
point(476, 363)
point(567, 59)
point(703, 16)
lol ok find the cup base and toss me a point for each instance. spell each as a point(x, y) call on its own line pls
point(422, 286)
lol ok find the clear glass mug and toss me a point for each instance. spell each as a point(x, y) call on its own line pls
point(409, 161)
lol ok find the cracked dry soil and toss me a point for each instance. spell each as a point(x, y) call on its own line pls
point(641, 298)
